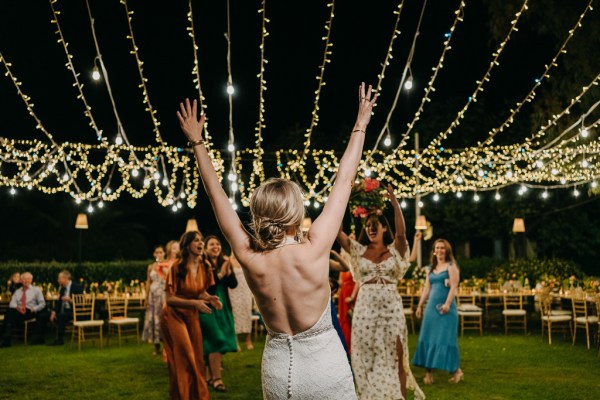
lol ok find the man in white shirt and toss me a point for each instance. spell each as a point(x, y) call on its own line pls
point(27, 303)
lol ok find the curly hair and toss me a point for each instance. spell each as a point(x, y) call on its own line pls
point(276, 206)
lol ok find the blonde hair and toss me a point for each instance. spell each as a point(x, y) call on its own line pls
point(276, 206)
point(169, 246)
point(449, 255)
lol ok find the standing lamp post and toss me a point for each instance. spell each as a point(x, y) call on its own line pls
point(418, 215)
point(81, 223)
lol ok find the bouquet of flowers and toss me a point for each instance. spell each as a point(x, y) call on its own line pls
point(365, 198)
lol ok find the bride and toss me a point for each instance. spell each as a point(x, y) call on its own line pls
point(288, 273)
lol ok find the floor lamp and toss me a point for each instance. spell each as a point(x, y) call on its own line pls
point(80, 224)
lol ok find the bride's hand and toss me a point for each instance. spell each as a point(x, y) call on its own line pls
point(365, 107)
point(391, 196)
point(188, 121)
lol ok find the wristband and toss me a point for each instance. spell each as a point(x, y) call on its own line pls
point(195, 143)
point(359, 130)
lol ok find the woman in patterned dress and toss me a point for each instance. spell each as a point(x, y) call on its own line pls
point(241, 303)
point(155, 294)
point(379, 333)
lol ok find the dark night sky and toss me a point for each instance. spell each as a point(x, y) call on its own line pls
point(361, 34)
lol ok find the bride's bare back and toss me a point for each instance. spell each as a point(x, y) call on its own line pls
point(290, 283)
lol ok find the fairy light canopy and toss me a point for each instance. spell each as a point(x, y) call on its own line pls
point(95, 119)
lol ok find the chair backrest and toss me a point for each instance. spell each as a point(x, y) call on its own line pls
point(407, 302)
point(579, 306)
point(513, 301)
point(464, 298)
point(83, 307)
point(117, 307)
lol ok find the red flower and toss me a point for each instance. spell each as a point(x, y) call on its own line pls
point(371, 184)
point(360, 212)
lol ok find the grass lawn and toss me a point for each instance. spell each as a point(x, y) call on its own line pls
point(495, 366)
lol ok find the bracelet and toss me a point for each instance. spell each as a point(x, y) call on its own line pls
point(195, 143)
point(359, 130)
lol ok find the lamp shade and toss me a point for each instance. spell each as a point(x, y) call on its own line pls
point(81, 222)
point(421, 223)
point(306, 224)
point(519, 225)
point(191, 225)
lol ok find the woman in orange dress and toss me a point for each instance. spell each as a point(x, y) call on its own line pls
point(186, 294)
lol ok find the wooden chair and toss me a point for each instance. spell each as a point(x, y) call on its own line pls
point(119, 321)
point(409, 311)
point(83, 319)
point(553, 317)
point(581, 318)
point(470, 316)
point(515, 317)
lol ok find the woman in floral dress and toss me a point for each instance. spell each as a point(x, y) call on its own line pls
point(379, 333)
point(155, 294)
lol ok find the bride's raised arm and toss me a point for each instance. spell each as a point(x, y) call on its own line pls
point(325, 227)
point(227, 218)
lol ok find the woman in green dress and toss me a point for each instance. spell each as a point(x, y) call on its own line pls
point(218, 329)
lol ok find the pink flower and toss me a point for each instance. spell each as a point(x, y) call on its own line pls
point(371, 184)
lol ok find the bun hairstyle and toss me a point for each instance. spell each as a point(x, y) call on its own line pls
point(275, 206)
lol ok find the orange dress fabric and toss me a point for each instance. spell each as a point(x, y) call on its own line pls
point(183, 338)
point(346, 289)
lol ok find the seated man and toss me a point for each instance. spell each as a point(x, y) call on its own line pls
point(27, 302)
point(63, 312)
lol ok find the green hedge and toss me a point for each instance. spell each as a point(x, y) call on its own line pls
point(47, 272)
point(547, 270)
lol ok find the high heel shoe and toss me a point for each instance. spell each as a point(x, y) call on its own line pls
point(428, 379)
point(457, 377)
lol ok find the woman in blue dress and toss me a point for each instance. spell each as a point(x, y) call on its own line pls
point(438, 339)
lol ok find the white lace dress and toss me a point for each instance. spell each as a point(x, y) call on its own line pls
point(311, 365)
point(377, 322)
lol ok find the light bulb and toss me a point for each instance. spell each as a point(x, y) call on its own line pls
point(481, 172)
point(90, 209)
point(436, 197)
point(234, 187)
point(539, 163)
point(585, 163)
point(554, 171)
point(421, 204)
point(179, 205)
point(119, 140)
point(307, 202)
point(108, 190)
point(156, 176)
point(171, 201)
point(497, 196)
point(95, 74)
point(594, 185)
point(563, 181)
point(78, 200)
point(147, 182)
point(13, 191)
point(316, 204)
point(509, 174)
point(584, 133)
point(545, 194)
point(135, 172)
point(29, 187)
point(174, 208)
point(26, 178)
point(387, 142)
point(459, 194)
point(230, 89)
point(459, 179)
point(576, 192)
point(182, 195)
point(65, 177)
point(403, 204)
point(231, 147)
point(409, 83)
point(232, 177)
point(101, 204)
point(234, 206)
point(165, 182)
point(367, 172)
point(476, 197)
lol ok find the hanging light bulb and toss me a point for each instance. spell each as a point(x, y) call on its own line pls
point(90, 209)
point(101, 204)
point(230, 88)
point(403, 204)
point(584, 163)
point(156, 176)
point(436, 197)
point(13, 191)
point(135, 172)
point(554, 171)
point(179, 205)
point(108, 190)
point(459, 179)
point(459, 194)
point(421, 204)
point(387, 142)
point(563, 181)
point(232, 177)
point(182, 195)
point(316, 204)
point(497, 196)
point(78, 200)
point(367, 172)
point(306, 202)
point(476, 197)
point(119, 140)
point(146, 182)
point(174, 208)
point(594, 185)
point(234, 186)
point(165, 182)
point(481, 172)
point(234, 206)
point(231, 147)
point(539, 163)
point(584, 133)
point(509, 174)
point(576, 192)
point(409, 83)
point(545, 194)
point(65, 177)
point(95, 74)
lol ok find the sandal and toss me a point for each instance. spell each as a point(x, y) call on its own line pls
point(218, 385)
